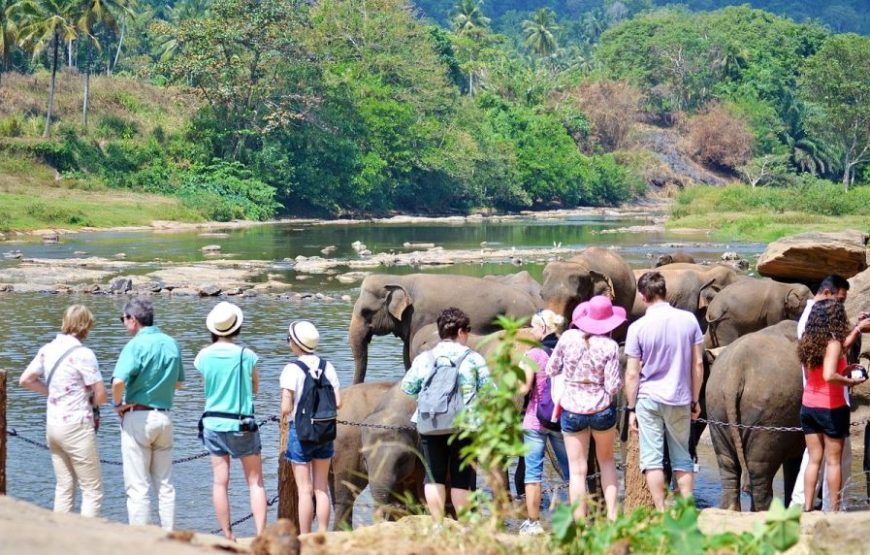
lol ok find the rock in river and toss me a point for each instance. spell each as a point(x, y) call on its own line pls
point(809, 257)
point(209, 291)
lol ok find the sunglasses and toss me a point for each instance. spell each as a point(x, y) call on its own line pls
point(124, 318)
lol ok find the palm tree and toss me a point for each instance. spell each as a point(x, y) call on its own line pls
point(167, 42)
point(468, 17)
point(806, 153)
point(539, 32)
point(43, 23)
point(88, 15)
point(8, 36)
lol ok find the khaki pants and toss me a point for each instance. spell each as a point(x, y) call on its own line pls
point(146, 449)
point(76, 460)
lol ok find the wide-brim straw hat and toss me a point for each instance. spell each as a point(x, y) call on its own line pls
point(600, 316)
point(224, 319)
point(304, 334)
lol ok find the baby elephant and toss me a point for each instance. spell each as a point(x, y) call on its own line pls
point(674, 258)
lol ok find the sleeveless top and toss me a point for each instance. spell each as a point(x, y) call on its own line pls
point(823, 395)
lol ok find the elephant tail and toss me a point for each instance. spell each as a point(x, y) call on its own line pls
point(732, 412)
point(713, 326)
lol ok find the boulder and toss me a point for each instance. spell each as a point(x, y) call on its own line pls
point(209, 291)
point(809, 257)
point(211, 249)
point(280, 538)
point(326, 251)
point(120, 285)
point(859, 297)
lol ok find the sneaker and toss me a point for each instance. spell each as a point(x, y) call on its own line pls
point(531, 528)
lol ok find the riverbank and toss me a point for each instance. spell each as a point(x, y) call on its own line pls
point(743, 213)
point(29, 530)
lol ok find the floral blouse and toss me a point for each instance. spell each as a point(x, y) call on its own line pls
point(68, 395)
point(591, 368)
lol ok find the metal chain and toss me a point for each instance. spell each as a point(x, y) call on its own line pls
point(377, 426)
point(768, 428)
point(235, 523)
point(14, 433)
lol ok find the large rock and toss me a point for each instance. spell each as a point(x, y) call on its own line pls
point(809, 257)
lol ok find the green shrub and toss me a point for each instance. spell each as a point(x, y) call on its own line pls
point(56, 215)
point(115, 127)
point(227, 190)
point(59, 155)
point(11, 126)
point(675, 531)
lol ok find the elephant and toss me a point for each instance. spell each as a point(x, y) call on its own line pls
point(750, 305)
point(690, 287)
point(756, 381)
point(673, 258)
point(401, 305)
point(427, 337)
point(386, 460)
point(522, 281)
point(595, 271)
point(346, 478)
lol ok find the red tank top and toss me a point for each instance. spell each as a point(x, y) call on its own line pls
point(823, 395)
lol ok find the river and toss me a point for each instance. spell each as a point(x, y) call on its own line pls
point(30, 320)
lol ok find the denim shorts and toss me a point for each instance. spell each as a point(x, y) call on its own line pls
point(303, 453)
point(600, 421)
point(657, 423)
point(536, 445)
point(234, 444)
point(834, 423)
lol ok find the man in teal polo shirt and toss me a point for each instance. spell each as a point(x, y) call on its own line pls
point(148, 372)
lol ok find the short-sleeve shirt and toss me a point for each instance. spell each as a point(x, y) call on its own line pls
point(663, 339)
point(537, 360)
point(591, 368)
point(473, 373)
point(228, 383)
point(293, 377)
point(68, 396)
point(150, 366)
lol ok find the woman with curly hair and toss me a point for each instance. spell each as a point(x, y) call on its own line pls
point(824, 412)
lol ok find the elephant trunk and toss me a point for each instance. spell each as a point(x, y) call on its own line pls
point(359, 336)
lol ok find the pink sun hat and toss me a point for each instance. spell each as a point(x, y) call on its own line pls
point(600, 317)
point(579, 312)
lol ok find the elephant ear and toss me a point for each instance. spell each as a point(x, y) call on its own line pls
point(398, 300)
point(602, 285)
point(793, 303)
point(706, 293)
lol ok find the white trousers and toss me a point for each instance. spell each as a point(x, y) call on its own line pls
point(798, 495)
point(76, 460)
point(146, 449)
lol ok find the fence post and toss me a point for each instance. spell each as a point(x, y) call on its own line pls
point(288, 497)
point(2, 432)
point(636, 492)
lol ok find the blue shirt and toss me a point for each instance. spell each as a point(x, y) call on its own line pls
point(225, 389)
point(150, 366)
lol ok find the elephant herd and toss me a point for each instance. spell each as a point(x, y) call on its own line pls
point(753, 381)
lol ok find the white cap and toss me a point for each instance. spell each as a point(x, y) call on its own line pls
point(224, 319)
point(304, 335)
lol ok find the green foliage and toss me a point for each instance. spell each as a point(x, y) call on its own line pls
point(675, 531)
point(116, 127)
point(225, 191)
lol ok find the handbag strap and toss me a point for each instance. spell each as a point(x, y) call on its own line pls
point(57, 363)
point(241, 382)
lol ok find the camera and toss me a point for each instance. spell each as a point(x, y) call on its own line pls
point(248, 424)
point(857, 372)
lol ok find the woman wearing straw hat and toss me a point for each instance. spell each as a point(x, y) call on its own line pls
point(228, 428)
point(310, 460)
point(589, 359)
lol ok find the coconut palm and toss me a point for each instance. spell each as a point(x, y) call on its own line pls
point(168, 44)
point(45, 23)
point(806, 153)
point(8, 36)
point(468, 17)
point(89, 14)
point(539, 32)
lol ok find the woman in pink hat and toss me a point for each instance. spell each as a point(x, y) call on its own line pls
point(589, 360)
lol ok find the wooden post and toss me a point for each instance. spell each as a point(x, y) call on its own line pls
point(2, 432)
point(288, 496)
point(636, 492)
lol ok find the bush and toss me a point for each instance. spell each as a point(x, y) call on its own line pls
point(10, 126)
point(720, 138)
point(225, 191)
point(610, 183)
point(116, 127)
point(56, 215)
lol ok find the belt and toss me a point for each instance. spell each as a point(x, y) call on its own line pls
point(146, 407)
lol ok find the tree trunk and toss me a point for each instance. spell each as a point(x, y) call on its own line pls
point(87, 87)
point(846, 173)
point(636, 492)
point(288, 493)
point(51, 88)
point(111, 68)
point(69, 57)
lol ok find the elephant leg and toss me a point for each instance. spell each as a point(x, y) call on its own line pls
point(346, 484)
point(790, 469)
point(729, 467)
point(761, 475)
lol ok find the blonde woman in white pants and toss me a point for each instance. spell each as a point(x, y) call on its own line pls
point(68, 373)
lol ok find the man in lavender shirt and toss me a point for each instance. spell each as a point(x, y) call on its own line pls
point(662, 386)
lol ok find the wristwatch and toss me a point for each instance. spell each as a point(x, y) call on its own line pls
point(117, 405)
point(629, 409)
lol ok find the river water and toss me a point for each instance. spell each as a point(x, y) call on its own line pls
point(30, 320)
